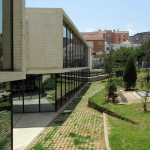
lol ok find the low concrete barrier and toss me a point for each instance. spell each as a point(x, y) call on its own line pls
point(97, 78)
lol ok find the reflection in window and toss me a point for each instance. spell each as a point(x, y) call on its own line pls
point(59, 90)
point(73, 49)
point(100, 42)
point(47, 101)
point(109, 39)
point(78, 52)
point(64, 45)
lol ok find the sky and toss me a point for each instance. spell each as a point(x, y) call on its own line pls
point(91, 15)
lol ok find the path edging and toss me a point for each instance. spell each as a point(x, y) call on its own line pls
point(105, 133)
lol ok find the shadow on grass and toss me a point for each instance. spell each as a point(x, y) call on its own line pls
point(111, 113)
point(62, 117)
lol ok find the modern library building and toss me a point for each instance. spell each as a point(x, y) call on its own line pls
point(44, 61)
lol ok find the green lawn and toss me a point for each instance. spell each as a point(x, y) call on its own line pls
point(125, 135)
point(5, 130)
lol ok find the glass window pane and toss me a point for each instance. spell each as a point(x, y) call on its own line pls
point(64, 44)
point(78, 52)
point(71, 49)
point(81, 52)
point(67, 86)
point(31, 93)
point(59, 86)
point(63, 88)
point(17, 96)
point(74, 51)
point(47, 101)
point(68, 47)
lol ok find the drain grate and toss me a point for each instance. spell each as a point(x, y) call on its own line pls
point(67, 111)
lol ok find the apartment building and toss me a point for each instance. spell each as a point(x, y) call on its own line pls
point(117, 46)
point(140, 37)
point(98, 39)
point(44, 60)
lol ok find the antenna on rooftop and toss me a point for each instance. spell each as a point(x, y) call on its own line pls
point(96, 21)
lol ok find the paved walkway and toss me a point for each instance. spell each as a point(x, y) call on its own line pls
point(82, 128)
point(131, 97)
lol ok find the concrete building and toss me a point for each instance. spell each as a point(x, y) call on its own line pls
point(44, 59)
point(139, 37)
point(131, 39)
point(98, 39)
point(97, 44)
point(117, 46)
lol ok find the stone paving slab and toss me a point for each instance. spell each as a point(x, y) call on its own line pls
point(131, 97)
point(82, 128)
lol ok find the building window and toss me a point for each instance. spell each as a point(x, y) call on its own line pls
point(124, 35)
point(123, 39)
point(119, 39)
point(119, 35)
point(74, 50)
point(109, 39)
point(100, 42)
point(107, 48)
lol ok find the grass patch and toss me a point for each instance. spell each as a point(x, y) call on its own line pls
point(5, 130)
point(39, 145)
point(50, 134)
point(79, 139)
point(125, 135)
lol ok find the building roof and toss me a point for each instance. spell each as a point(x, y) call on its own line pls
point(92, 36)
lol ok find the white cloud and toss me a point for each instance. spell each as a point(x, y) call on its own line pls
point(129, 25)
point(131, 32)
point(90, 29)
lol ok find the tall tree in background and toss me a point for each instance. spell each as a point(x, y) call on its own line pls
point(130, 74)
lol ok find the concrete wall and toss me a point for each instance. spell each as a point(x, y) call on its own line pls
point(19, 37)
point(97, 78)
point(6, 36)
point(19, 42)
point(45, 40)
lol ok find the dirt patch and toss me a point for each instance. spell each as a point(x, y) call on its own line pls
point(142, 110)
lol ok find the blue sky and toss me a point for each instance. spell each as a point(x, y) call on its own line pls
point(91, 15)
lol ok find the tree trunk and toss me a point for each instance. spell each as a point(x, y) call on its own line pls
point(108, 85)
point(106, 88)
point(121, 75)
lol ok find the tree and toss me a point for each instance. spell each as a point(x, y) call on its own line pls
point(112, 89)
point(108, 65)
point(119, 62)
point(147, 85)
point(129, 73)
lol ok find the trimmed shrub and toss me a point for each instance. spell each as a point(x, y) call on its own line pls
point(112, 89)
